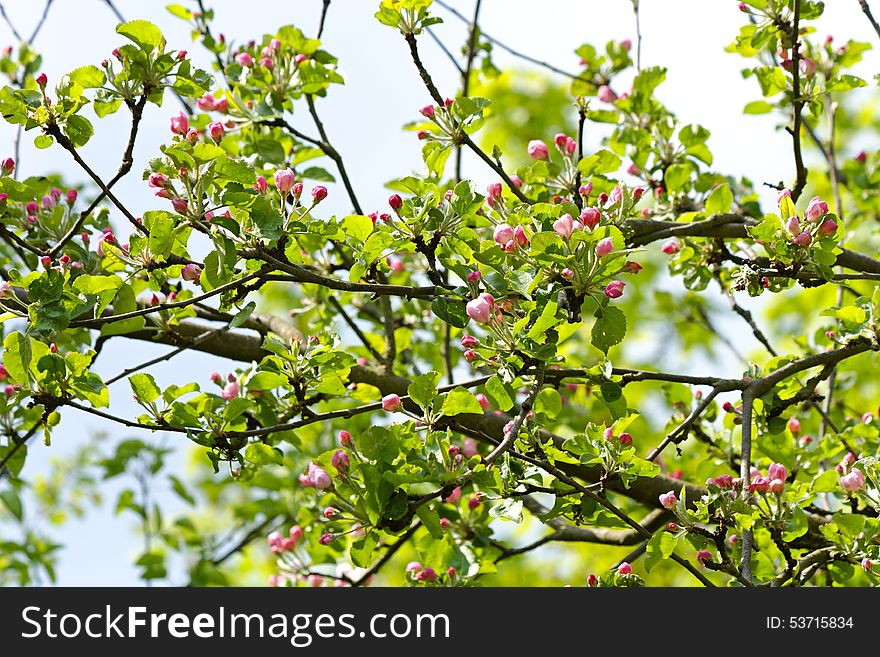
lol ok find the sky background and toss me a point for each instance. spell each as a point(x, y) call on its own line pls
point(363, 118)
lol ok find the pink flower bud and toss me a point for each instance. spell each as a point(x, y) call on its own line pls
point(671, 246)
point(427, 575)
point(520, 234)
point(326, 539)
point(625, 438)
point(804, 239)
point(592, 580)
point(632, 267)
point(265, 62)
point(827, 228)
point(668, 500)
point(216, 378)
point(854, 481)
point(179, 124)
point(777, 471)
point(816, 209)
point(807, 66)
point(7, 167)
point(469, 447)
point(480, 310)
point(606, 95)
point(295, 533)
point(564, 226)
point(340, 461)
point(867, 565)
point(345, 439)
point(191, 272)
point(482, 400)
point(538, 150)
point(471, 356)
point(616, 195)
point(413, 567)
point(567, 274)
point(32, 208)
point(590, 217)
point(777, 485)
point(318, 477)
point(244, 59)
point(454, 496)
point(41, 80)
point(395, 202)
point(427, 111)
point(614, 289)
point(503, 234)
point(4, 373)
point(319, 193)
point(494, 190)
point(516, 180)
point(274, 539)
point(180, 205)
point(46, 261)
point(216, 130)
point(794, 426)
point(231, 390)
point(71, 196)
point(392, 403)
point(474, 501)
point(624, 569)
point(284, 181)
point(604, 247)
point(704, 556)
point(261, 185)
point(585, 190)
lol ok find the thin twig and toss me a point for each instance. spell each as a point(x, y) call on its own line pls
point(466, 75)
point(334, 155)
point(324, 9)
point(798, 106)
point(42, 21)
point(506, 48)
point(867, 10)
point(9, 23)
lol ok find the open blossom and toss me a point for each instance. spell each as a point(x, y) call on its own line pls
point(816, 208)
point(669, 499)
point(538, 150)
point(614, 289)
point(854, 481)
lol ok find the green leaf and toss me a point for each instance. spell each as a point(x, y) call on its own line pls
point(143, 33)
point(242, 315)
point(423, 389)
point(144, 387)
point(720, 201)
point(500, 394)
point(262, 454)
point(796, 525)
point(235, 171)
point(17, 356)
point(845, 83)
point(358, 227)
point(79, 129)
point(266, 381)
point(12, 502)
point(43, 141)
point(677, 176)
point(458, 401)
point(548, 402)
point(431, 520)
point(88, 77)
point(451, 311)
point(602, 161)
point(205, 152)
point(161, 240)
point(609, 328)
point(103, 287)
point(546, 321)
point(508, 509)
point(758, 107)
point(786, 208)
point(361, 551)
point(660, 547)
